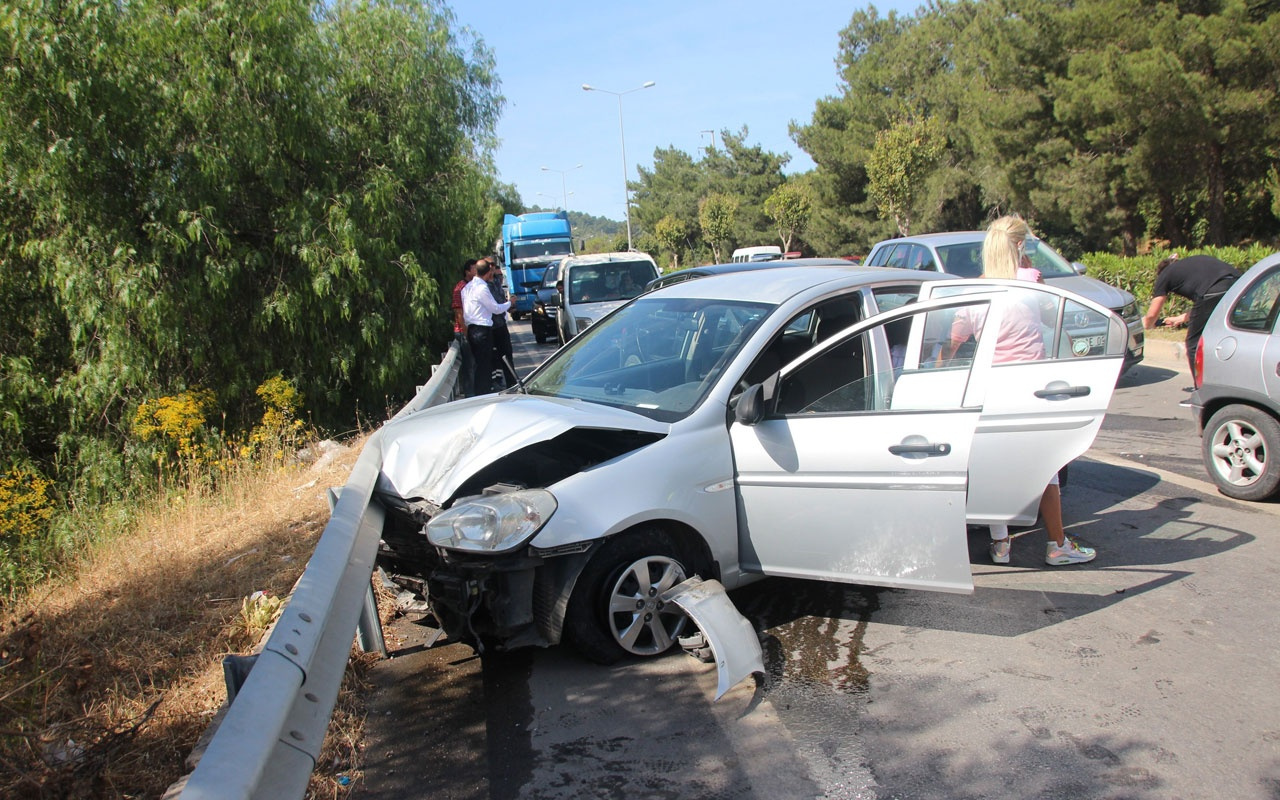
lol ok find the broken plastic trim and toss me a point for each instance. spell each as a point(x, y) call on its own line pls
point(733, 641)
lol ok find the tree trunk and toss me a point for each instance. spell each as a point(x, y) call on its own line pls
point(1169, 221)
point(1217, 196)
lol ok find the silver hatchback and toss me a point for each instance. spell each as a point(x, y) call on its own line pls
point(1237, 404)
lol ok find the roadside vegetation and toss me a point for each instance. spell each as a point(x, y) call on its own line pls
point(229, 230)
point(109, 676)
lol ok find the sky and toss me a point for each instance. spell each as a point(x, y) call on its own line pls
point(716, 66)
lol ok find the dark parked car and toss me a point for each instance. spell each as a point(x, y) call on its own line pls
point(543, 318)
point(1237, 404)
point(682, 275)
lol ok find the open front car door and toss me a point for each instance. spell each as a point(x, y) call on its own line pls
point(852, 461)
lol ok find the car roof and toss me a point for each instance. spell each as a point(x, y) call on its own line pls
point(741, 266)
point(939, 239)
point(774, 286)
point(605, 258)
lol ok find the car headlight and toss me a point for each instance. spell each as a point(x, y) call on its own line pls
point(492, 523)
point(1130, 311)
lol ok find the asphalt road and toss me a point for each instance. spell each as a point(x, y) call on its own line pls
point(1148, 673)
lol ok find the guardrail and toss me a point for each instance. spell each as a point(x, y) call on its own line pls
point(269, 738)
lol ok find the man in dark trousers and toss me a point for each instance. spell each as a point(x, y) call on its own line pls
point(503, 354)
point(478, 308)
point(1201, 279)
point(466, 368)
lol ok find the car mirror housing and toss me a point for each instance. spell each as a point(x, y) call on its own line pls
point(753, 402)
point(1079, 268)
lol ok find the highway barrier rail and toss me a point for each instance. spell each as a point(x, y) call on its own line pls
point(265, 742)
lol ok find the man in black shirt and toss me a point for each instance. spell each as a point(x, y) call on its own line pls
point(1201, 279)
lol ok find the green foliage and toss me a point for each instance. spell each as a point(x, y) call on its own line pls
point(900, 161)
point(677, 185)
point(716, 215)
point(673, 236)
point(1137, 274)
point(790, 207)
point(1106, 122)
point(206, 194)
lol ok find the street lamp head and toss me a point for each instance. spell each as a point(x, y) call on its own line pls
point(647, 84)
point(546, 169)
point(586, 87)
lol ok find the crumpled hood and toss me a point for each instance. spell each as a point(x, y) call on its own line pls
point(429, 454)
point(1093, 289)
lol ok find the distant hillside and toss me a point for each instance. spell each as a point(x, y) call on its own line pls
point(586, 226)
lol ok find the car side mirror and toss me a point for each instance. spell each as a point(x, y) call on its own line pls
point(750, 407)
point(756, 400)
point(1079, 268)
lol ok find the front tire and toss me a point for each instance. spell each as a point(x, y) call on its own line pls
point(615, 610)
point(1237, 447)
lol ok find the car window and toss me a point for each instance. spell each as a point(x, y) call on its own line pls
point(1255, 309)
point(897, 256)
point(964, 260)
point(877, 257)
point(853, 375)
point(919, 258)
point(1044, 258)
point(887, 298)
point(1037, 325)
point(609, 281)
point(549, 277)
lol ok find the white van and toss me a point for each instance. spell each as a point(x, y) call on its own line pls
point(767, 252)
point(593, 285)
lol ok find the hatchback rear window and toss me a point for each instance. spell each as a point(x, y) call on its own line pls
point(1255, 310)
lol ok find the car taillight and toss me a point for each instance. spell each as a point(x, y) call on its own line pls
point(1197, 370)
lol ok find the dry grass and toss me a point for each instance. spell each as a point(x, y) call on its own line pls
point(107, 681)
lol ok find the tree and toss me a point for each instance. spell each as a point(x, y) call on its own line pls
point(673, 234)
point(206, 195)
point(716, 216)
point(903, 156)
point(790, 208)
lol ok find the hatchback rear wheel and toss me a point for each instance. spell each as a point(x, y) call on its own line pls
point(1238, 444)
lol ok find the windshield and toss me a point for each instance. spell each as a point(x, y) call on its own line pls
point(657, 356)
point(524, 250)
point(613, 280)
point(965, 259)
point(1047, 260)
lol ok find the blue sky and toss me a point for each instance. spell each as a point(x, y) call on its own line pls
point(717, 65)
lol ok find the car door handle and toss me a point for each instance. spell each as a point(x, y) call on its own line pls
point(1063, 391)
point(929, 449)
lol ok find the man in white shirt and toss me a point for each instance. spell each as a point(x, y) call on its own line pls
point(478, 308)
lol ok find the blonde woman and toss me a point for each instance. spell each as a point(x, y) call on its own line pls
point(1004, 255)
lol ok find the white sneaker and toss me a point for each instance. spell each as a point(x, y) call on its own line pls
point(1000, 551)
point(1068, 553)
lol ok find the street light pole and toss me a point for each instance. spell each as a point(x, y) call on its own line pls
point(626, 190)
point(564, 187)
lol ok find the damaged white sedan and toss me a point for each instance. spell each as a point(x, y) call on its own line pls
point(796, 421)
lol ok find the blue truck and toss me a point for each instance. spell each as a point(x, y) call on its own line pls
point(530, 242)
